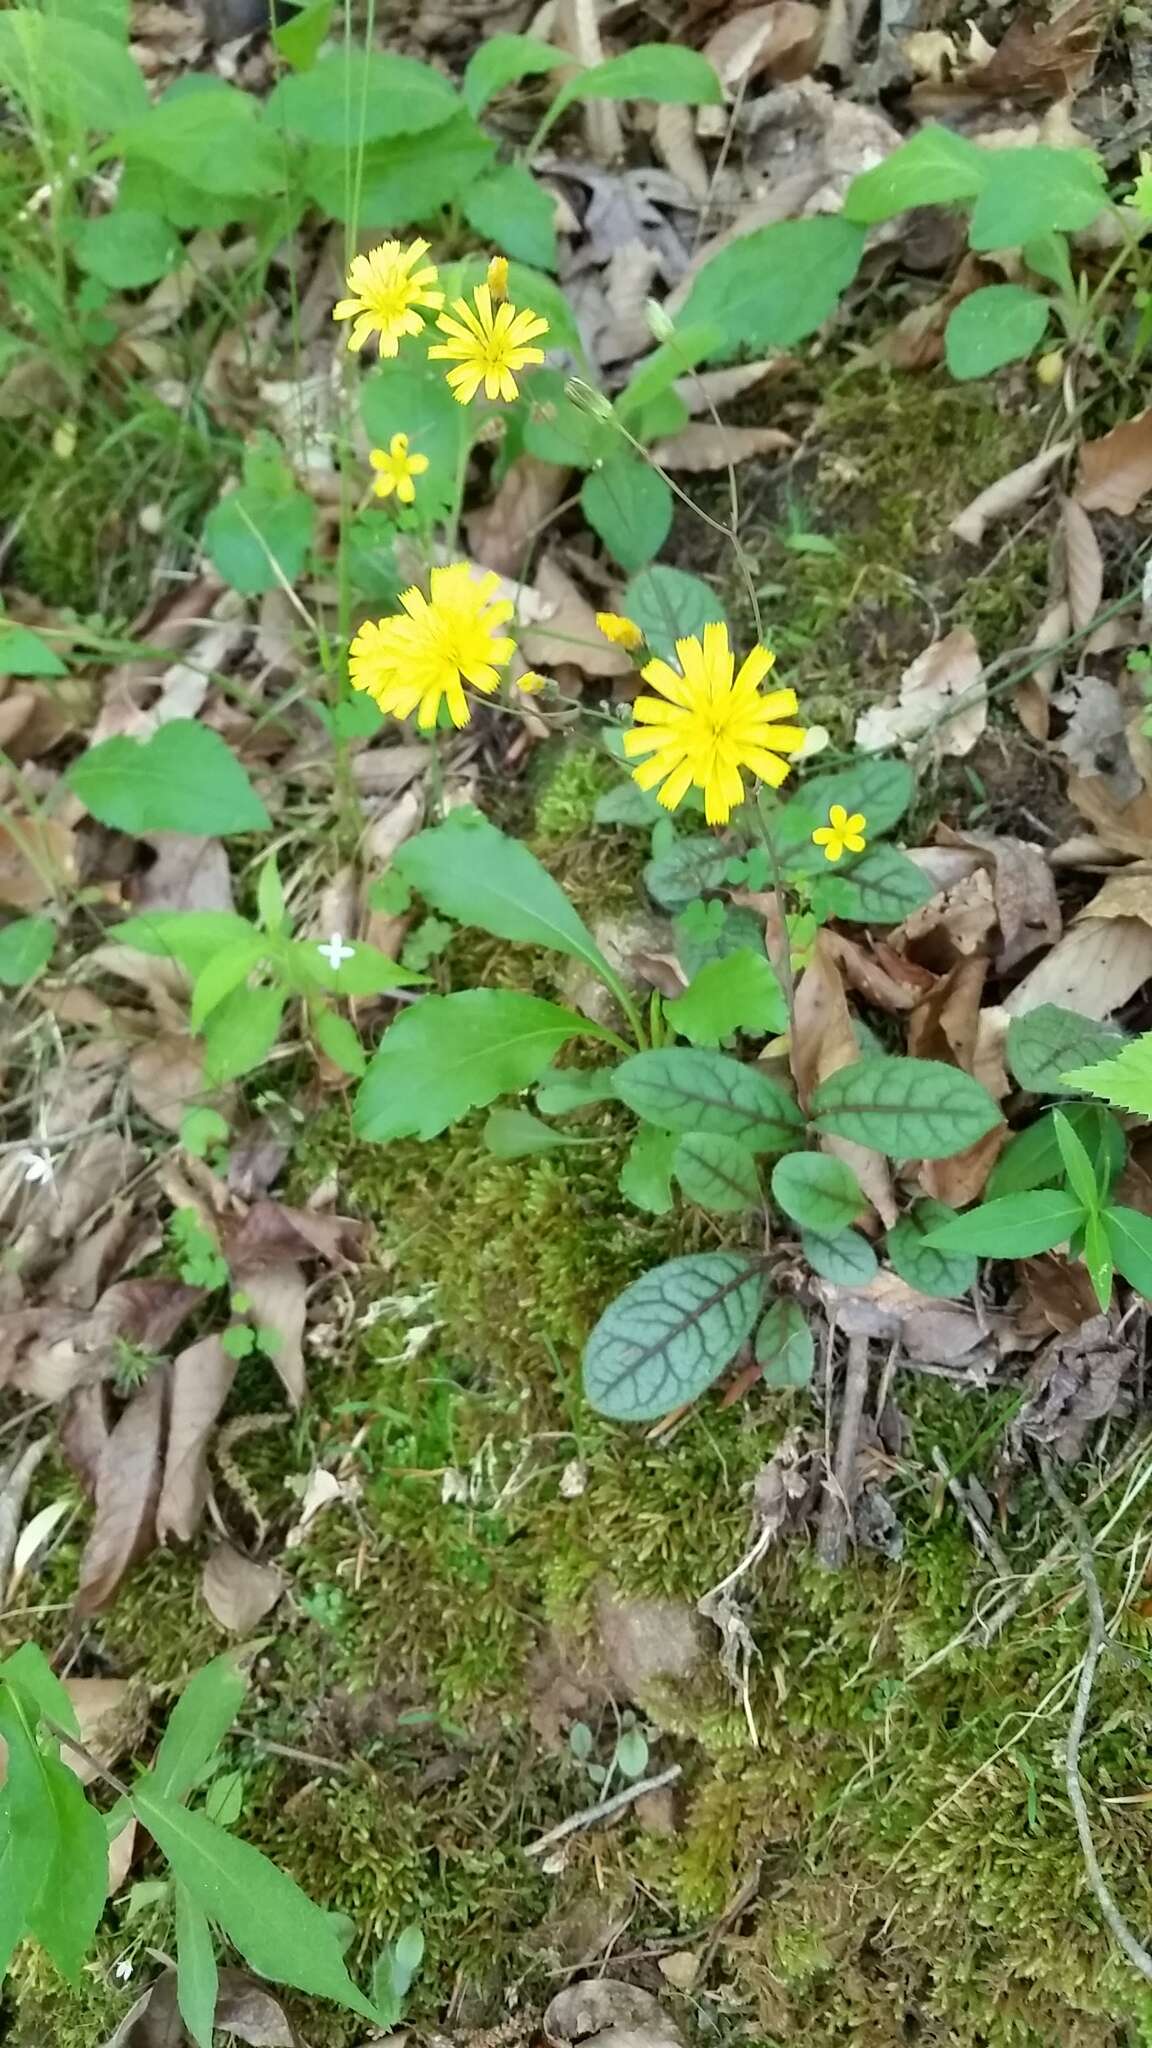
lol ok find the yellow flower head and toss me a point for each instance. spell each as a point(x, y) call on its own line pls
point(1142, 189)
point(620, 631)
point(423, 655)
point(497, 279)
point(531, 681)
point(487, 346)
point(842, 834)
point(705, 728)
point(396, 469)
point(386, 290)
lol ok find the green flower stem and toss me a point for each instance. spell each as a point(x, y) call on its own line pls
point(784, 965)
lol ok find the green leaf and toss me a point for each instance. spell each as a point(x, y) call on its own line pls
point(240, 1033)
point(1097, 1255)
point(1078, 1167)
point(1129, 1234)
point(563, 1089)
point(193, 937)
point(26, 947)
point(911, 1109)
point(408, 396)
point(670, 1334)
point(709, 932)
point(183, 779)
point(469, 870)
point(717, 1172)
point(737, 993)
point(14, 1885)
point(517, 1134)
point(818, 1192)
point(778, 284)
point(923, 1265)
point(674, 358)
point(277, 1929)
point(226, 971)
point(299, 38)
point(338, 1041)
point(1032, 1158)
point(998, 324)
point(628, 804)
point(882, 886)
point(557, 430)
point(68, 73)
point(935, 168)
point(669, 605)
point(197, 1725)
point(842, 1256)
point(196, 1975)
point(24, 653)
point(784, 1347)
point(126, 248)
point(1124, 1080)
point(367, 971)
point(676, 878)
point(646, 1175)
point(57, 1838)
point(880, 788)
point(665, 72)
point(212, 140)
point(679, 1089)
point(1048, 256)
point(413, 175)
point(449, 1054)
point(1030, 192)
point(630, 506)
point(258, 537)
point(509, 208)
point(1015, 1227)
point(201, 1129)
point(501, 61)
point(352, 96)
point(1045, 1042)
point(30, 1672)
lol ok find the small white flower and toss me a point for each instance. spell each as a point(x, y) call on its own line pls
point(573, 1479)
point(122, 1970)
point(37, 1167)
point(335, 952)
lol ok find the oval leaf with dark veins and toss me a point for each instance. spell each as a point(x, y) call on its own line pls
point(923, 1265)
point(1045, 1044)
point(718, 1173)
point(846, 1258)
point(679, 1088)
point(817, 1191)
point(911, 1109)
point(784, 1346)
point(670, 1334)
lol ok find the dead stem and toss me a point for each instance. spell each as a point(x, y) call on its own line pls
point(836, 1513)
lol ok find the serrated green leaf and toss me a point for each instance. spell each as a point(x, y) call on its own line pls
point(646, 1174)
point(1124, 1080)
point(669, 605)
point(669, 1335)
point(1129, 1234)
point(1045, 1042)
point(412, 175)
point(240, 1033)
point(193, 937)
point(126, 248)
point(469, 870)
point(210, 140)
point(737, 993)
point(717, 1172)
point(258, 537)
point(818, 1191)
point(57, 1838)
point(784, 1347)
point(183, 779)
point(501, 61)
point(1015, 1227)
point(68, 72)
point(24, 653)
point(911, 1109)
point(693, 865)
point(1030, 192)
point(197, 1725)
point(298, 39)
point(923, 1265)
point(352, 96)
point(881, 887)
point(508, 207)
point(277, 1929)
point(771, 288)
point(338, 1041)
point(449, 1054)
point(517, 1134)
point(409, 396)
point(935, 168)
point(26, 946)
point(196, 1974)
point(679, 1088)
point(999, 324)
point(630, 506)
point(844, 1257)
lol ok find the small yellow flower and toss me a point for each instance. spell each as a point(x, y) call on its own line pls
point(497, 279)
point(620, 631)
point(842, 834)
point(487, 346)
point(396, 469)
point(386, 291)
point(531, 681)
point(1142, 189)
point(423, 655)
point(705, 728)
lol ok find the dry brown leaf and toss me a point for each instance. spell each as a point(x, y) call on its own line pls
point(121, 1855)
point(942, 696)
point(604, 2012)
point(82, 1429)
point(1125, 828)
point(1096, 968)
point(706, 446)
point(567, 629)
point(1084, 564)
point(1024, 892)
point(59, 1350)
point(245, 2011)
point(1006, 494)
point(1031, 697)
point(127, 1490)
point(187, 874)
point(1041, 57)
point(881, 976)
point(500, 534)
point(32, 852)
point(956, 922)
point(781, 39)
point(1116, 471)
point(238, 1591)
point(166, 1076)
point(200, 1381)
point(677, 147)
point(823, 1041)
point(277, 1293)
point(1125, 895)
point(271, 1231)
point(704, 389)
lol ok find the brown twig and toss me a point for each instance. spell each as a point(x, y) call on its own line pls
point(981, 1533)
point(836, 1513)
point(603, 1810)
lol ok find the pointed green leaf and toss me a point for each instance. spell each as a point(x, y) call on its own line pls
point(646, 1175)
point(682, 1089)
point(1130, 1242)
point(998, 324)
point(1032, 1158)
point(1015, 1227)
point(1125, 1080)
point(1077, 1165)
point(183, 779)
point(197, 1725)
point(665, 72)
point(1098, 1256)
point(501, 61)
point(30, 1672)
point(240, 1033)
point(911, 1109)
point(196, 1974)
point(670, 1334)
point(784, 1346)
point(508, 207)
point(449, 1054)
point(935, 168)
point(57, 1836)
point(24, 653)
point(517, 1134)
point(562, 1089)
point(224, 972)
point(299, 38)
point(338, 1042)
point(1045, 1042)
point(193, 937)
point(818, 1191)
point(717, 1172)
point(778, 284)
point(923, 1265)
point(366, 972)
point(737, 993)
point(469, 870)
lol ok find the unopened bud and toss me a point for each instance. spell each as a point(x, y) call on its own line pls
point(1050, 367)
point(661, 325)
point(588, 399)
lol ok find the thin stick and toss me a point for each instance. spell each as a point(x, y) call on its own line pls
point(603, 1811)
point(982, 1535)
point(835, 1515)
point(1135, 1951)
point(296, 1756)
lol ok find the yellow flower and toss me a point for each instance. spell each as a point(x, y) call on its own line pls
point(423, 655)
point(620, 631)
point(487, 346)
point(396, 469)
point(531, 681)
point(704, 728)
point(842, 834)
point(386, 292)
point(497, 279)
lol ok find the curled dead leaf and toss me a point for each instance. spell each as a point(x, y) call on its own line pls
point(942, 698)
point(237, 1590)
point(1116, 471)
point(200, 1380)
point(705, 446)
point(780, 40)
point(567, 629)
point(1006, 494)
